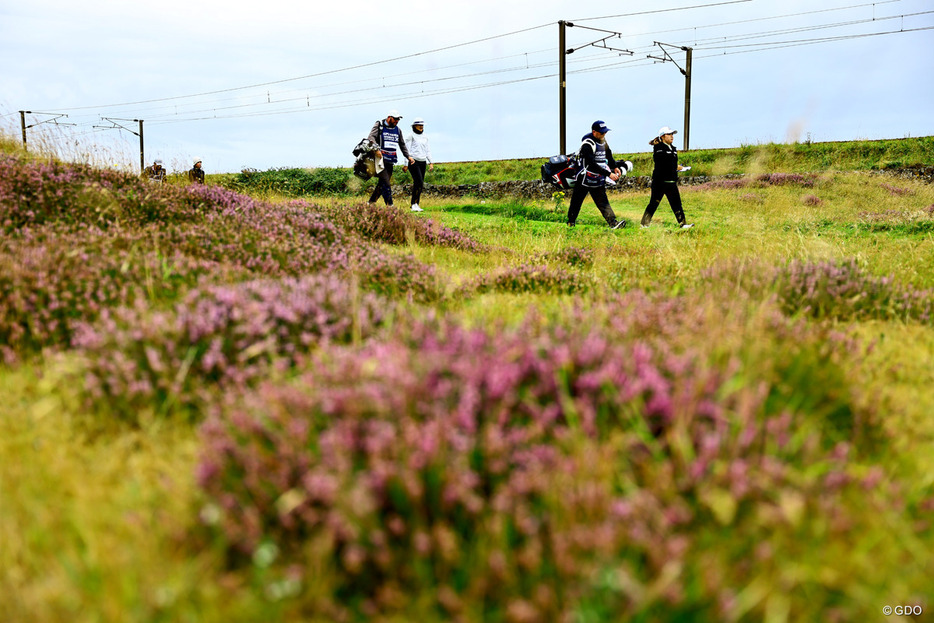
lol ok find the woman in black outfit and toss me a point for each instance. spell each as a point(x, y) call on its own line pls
point(665, 178)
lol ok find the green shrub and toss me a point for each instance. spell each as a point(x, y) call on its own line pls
point(293, 182)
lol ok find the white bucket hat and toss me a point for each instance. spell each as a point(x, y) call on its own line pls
point(418, 121)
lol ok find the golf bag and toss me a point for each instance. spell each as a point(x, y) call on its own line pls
point(560, 171)
point(364, 166)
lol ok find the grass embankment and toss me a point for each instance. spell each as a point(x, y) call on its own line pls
point(222, 409)
point(748, 159)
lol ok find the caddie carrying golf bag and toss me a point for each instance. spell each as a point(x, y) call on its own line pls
point(560, 171)
point(364, 166)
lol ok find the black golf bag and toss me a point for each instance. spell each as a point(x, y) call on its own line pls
point(560, 171)
point(364, 166)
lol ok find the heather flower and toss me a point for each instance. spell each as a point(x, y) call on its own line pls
point(787, 179)
point(897, 191)
point(527, 278)
point(572, 256)
point(439, 437)
point(389, 224)
point(722, 184)
point(834, 289)
point(49, 286)
point(219, 337)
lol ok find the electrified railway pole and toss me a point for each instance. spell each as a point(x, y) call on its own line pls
point(55, 117)
point(562, 88)
point(117, 126)
point(563, 52)
point(687, 98)
point(686, 72)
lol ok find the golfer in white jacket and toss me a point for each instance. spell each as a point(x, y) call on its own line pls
point(421, 152)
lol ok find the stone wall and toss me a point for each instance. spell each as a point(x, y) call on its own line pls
point(923, 174)
point(536, 189)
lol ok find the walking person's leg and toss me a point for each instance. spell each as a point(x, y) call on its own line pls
point(385, 183)
point(603, 204)
point(577, 200)
point(418, 181)
point(377, 190)
point(656, 198)
point(674, 199)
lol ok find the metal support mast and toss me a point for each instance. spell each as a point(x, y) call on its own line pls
point(55, 117)
point(686, 72)
point(562, 88)
point(116, 126)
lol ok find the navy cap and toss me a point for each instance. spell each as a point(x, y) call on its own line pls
point(599, 126)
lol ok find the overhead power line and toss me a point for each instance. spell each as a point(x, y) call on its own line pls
point(714, 44)
point(774, 45)
point(625, 64)
point(383, 61)
point(290, 102)
point(319, 74)
point(680, 8)
point(521, 54)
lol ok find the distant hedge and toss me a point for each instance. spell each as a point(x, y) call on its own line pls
point(293, 182)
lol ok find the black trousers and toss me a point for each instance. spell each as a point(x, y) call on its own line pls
point(660, 190)
point(599, 197)
point(384, 185)
point(418, 169)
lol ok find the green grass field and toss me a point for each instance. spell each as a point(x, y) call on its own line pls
point(215, 409)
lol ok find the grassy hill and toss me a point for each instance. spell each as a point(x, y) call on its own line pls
point(748, 159)
point(220, 406)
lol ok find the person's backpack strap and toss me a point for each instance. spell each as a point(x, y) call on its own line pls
point(587, 141)
point(577, 156)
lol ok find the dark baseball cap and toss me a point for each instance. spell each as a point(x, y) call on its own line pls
point(599, 126)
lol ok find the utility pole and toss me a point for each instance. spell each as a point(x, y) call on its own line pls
point(55, 117)
point(562, 88)
point(563, 52)
point(142, 159)
point(687, 97)
point(686, 72)
point(116, 126)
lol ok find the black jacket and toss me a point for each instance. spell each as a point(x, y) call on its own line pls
point(592, 174)
point(588, 159)
point(666, 163)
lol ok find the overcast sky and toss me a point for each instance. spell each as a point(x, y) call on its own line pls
point(286, 84)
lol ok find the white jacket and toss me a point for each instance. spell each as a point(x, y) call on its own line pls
point(418, 147)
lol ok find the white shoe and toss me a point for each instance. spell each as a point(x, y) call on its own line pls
point(687, 226)
point(415, 208)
